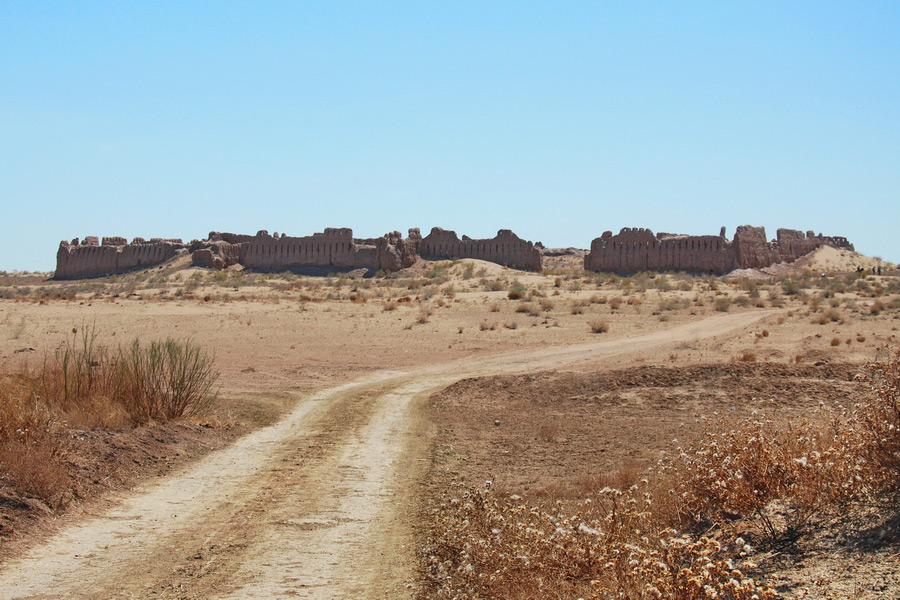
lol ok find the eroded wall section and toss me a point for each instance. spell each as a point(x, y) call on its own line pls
point(89, 258)
point(505, 249)
point(335, 248)
point(636, 249)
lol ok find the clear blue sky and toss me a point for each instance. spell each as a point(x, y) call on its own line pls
point(557, 120)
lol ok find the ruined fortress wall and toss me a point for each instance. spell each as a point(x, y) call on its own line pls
point(333, 248)
point(76, 260)
point(791, 244)
point(506, 249)
point(639, 250)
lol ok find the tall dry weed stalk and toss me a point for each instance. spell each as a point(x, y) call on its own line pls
point(165, 380)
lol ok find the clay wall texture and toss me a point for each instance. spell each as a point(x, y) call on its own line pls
point(505, 249)
point(335, 248)
point(635, 250)
point(631, 250)
point(76, 260)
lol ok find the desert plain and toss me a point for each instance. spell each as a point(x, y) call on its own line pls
point(373, 437)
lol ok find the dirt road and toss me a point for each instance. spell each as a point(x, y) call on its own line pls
point(315, 506)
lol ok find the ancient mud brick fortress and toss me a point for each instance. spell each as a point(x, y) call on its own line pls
point(506, 249)
point(635, 250)
point(331, 250)
point(336, 249)
point(89, 258)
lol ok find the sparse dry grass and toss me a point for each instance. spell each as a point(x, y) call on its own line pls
point(653, 539)
point(88, 386)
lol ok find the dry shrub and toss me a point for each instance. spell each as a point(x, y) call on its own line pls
point(615, 302)
point(85, 385)
point(673, 304)
point(492, 285)
point(599, 326)
point(752, 473)
point(36, 466)
point(876, 307)
point(516, 292)
point(546, 304)
point(164, 380)
point(606, 546)
point(879, 422)
point(523, 308)
point(598, 299)
point(578, 307)
point(31, 456)
point(91, 386)
point(829, 316)
point(722, 304)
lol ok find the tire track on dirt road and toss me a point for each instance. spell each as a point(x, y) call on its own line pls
point(315, 506)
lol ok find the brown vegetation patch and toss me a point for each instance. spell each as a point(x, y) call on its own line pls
point(604, 421)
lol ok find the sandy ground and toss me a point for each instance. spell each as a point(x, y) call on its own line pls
point(314, 506)
point(324, 503)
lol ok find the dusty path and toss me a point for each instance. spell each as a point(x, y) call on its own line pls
point(312, 507)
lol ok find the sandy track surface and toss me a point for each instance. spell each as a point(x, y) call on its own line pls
point(315, 506)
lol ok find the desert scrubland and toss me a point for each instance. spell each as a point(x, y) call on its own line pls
point(456, 429)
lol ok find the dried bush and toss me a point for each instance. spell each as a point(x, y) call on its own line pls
point(164, 380)
point(85, 385)
point(492, 285)
point(609, 545)
point(485, 326)
point(722, 304)
point(879, 422)
point(599, 326)
point(517, 292)
point(673, 304)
